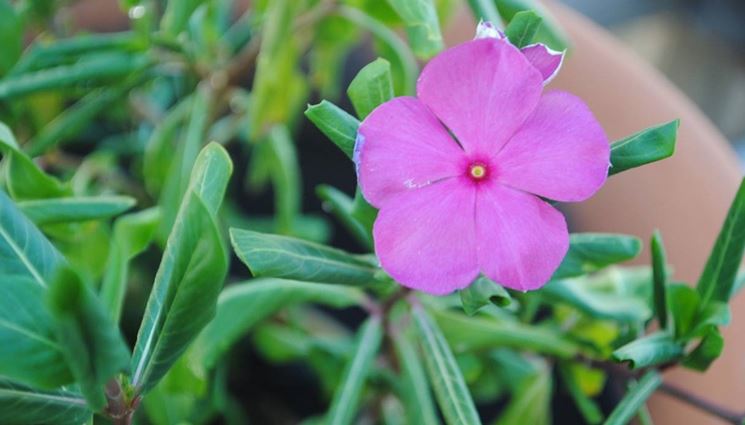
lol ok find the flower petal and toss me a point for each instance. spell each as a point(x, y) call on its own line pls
point(546, 60)
point(483, 90)
point(425, 239)
point(401, 146)
point(561, 152)
point(521, 239)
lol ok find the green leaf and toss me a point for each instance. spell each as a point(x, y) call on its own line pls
point(371, 87)
point(28, 352)
point(447, 380)
point(341, 206)
point(190, 276)
point(68, 210)
point(95, 67)
point(336, 124)
point(550, 33)
point(708, 350)
point(718, 278)
point(590, 252)
point(422, 25)
point(683, 304)
point(11, 36)
point(240, 307)
point(531, 401)
point(634, 399)
point(400, 55)
point(269, 255)
point(347, 396)
point(482, 292)
point(595, 303)
point(93, 346)
point(285, 178)
point(475, 333)
point(364, 212)
point(587, 407)
point(420, 408)
point(22, 405)
point(24, 178)
point(132, 234)
point(523, 27)
point(651, 350)
point(659, 278)
point(484, 10)
point(74, 119)
point(159, 150)
point(176, 16)
point(644, 147)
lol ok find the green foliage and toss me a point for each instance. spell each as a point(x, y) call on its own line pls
point(523, 27)
point(336, 124)
point(372, 86)
point(447, 381)
point(22, 405)
point(347, 396)
point(483, 292)
point(634, 400)
point(281, 256)
point(590, 252)
point(644, 147)
point(718, 278)
point(422, 25)
point(190, 276)
point(91, 343)
point(74, 209)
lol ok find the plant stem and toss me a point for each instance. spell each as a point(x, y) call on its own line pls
point(703, 404)
point(118, 409)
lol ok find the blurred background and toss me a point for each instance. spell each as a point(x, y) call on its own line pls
point(698, 44)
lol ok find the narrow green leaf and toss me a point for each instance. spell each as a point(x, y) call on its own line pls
point(683, 305)
point(341, 206)
point(132, 234)
point(176, 16)
point(243, 305)
point(482, 292)
point(713, 315)
point(159, 150)
point(651, 350)
point(22, 405)
point(371, 87)
point(474, 333)
point(11, 36)
point(24, 178)
point(363, 212)
point(644, 147)
point(718, 278)
point(587, 407)
point(590, 252)
point(708, 350)
point(93, 346)
point(95, 67)
point(634, 399)
point(68, 210)
point(523, 27)
point(659, 278)
point(595, 303)
point(28, 351)
point(420, 408)
point(531, 400)
point(269, 255)
point(191, 274)
point(285, 178)
point(447, 380)
point(550, 33)
point(347, 396)
point(401, 54)
point(74, 120)
point(336, 124)
point(484, 10)
point(422, 25)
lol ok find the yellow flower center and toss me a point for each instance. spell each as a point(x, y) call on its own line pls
point(478, 171)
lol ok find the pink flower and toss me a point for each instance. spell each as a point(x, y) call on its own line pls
point(459, 171)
